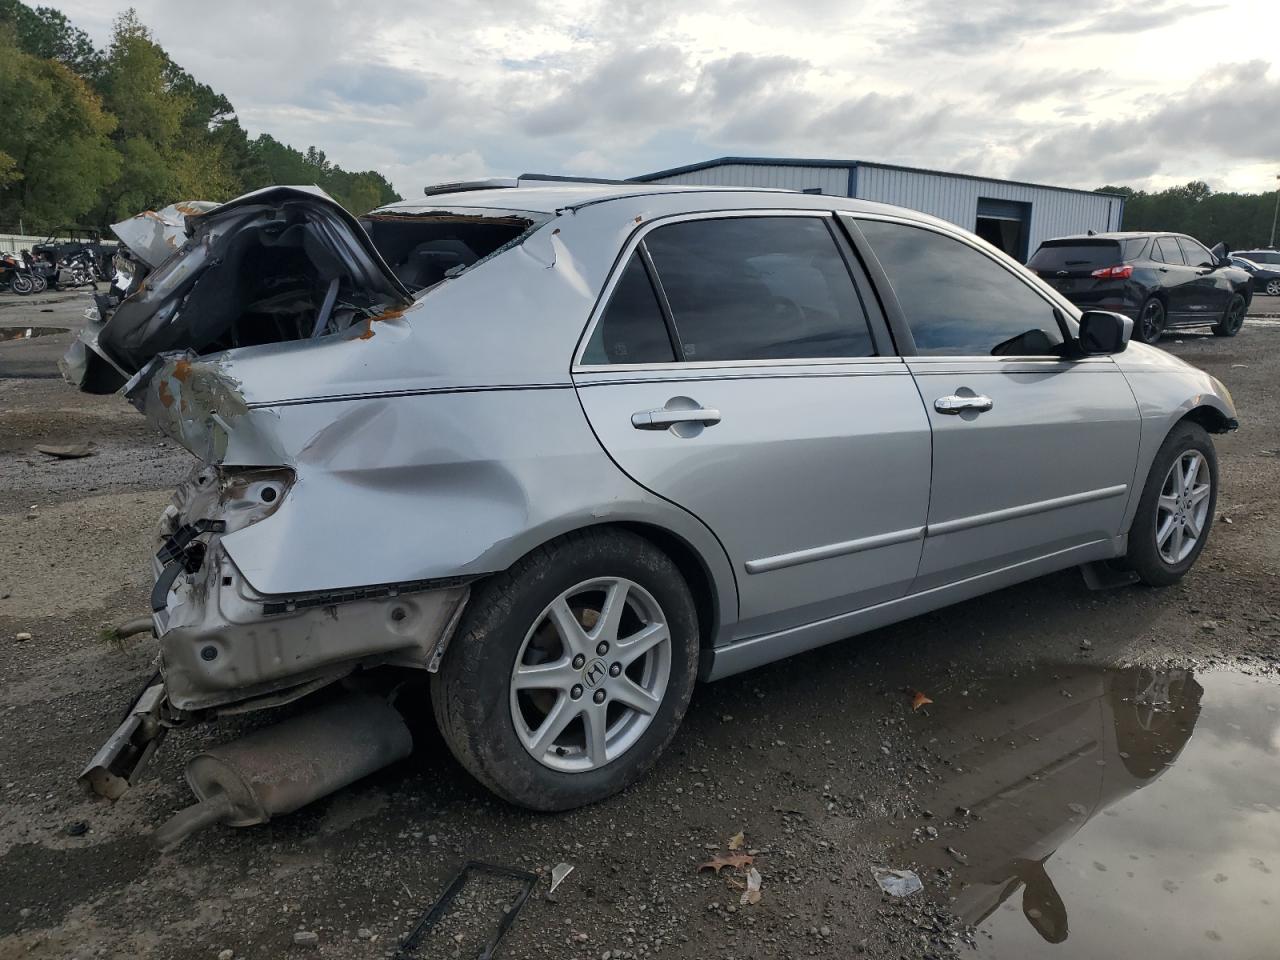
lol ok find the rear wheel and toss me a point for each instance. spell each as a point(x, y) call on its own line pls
point(1177, 506)
point(1151, 321)
point(570, 672)
point(1232, 319)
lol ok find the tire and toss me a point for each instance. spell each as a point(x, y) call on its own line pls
point(1159, 564)
point(38, 283)
point(1151, 321)
point(1232, 318)
point(22, 285)
point(1273, 288)
point(487, 720)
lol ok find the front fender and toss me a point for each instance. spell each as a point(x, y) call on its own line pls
point(1168, 390)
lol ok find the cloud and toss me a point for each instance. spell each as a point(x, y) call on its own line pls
point(1215, 115)
point(1036, 88)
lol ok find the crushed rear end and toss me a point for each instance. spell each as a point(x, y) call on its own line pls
point(224, 324)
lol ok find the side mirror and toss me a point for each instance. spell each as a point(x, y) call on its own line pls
point(1103, 333)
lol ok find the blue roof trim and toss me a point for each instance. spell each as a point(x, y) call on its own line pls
point(852, 166)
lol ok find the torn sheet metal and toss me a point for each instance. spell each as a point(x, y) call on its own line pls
point(154, 236)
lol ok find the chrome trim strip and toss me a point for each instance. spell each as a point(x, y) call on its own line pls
point(410, 392)
point(826, 552)
point(1026, 510)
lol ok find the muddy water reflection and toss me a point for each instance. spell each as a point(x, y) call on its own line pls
point(1111, 813)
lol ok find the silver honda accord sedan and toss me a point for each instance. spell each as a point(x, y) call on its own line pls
point(566, 448)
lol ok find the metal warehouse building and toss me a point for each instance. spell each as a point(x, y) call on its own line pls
point(1011, 215)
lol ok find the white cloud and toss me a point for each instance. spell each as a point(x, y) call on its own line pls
point(1077, 94)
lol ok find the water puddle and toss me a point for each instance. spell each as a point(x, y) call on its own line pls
point(27, 333)
point(1093, 813)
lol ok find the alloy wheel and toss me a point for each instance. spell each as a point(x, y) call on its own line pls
point(1152, 321)
point(1182, 510)
point(590, 675)
point(1273, 288)
point(1235, 315)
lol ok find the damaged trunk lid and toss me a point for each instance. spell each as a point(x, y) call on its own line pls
point(275, 265)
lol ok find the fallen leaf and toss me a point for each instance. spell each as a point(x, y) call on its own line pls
point(752, 893)
point(919, 700)
point(737, 840)
point(66, 451)
point(720, 861)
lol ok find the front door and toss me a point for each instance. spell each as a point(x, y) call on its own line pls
point(740, 372)
point(1208, 289)
point(1033, 454)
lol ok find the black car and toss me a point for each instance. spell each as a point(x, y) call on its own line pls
point(1161, 280)
point(1266, 277)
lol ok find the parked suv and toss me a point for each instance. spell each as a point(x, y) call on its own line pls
point(619, 438)
point(1161, 280)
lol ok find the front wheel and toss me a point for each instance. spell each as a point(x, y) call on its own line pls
point(1233, 319)
point(1176, 510)
point(38, 283)
point(571, 672)
point(1273, 288)
point(1151, 321)
point(22, 285)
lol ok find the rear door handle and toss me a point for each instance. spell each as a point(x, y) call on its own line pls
point(665, 417)
point(958, 404)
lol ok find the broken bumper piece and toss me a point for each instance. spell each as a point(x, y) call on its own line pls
point(121, 759)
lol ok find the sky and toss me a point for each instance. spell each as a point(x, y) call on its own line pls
point(1070, 92)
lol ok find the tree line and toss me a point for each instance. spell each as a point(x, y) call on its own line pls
point(92, 136)
point(1241, 220)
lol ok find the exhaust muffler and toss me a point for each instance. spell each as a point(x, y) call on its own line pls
point(278, 769)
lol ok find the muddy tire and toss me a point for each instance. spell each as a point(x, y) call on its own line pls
point(1175, 514)
point(570, 672)
point(1232, 318)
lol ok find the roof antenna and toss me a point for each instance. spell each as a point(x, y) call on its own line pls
point(1093, 233)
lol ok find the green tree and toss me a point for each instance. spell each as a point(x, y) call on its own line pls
point(46, 33)
point(1241, 220)
point(56, 135)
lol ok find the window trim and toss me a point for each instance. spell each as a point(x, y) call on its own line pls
point(636, 241)
point(907, 344)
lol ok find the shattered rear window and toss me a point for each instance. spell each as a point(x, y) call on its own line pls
point(422, 249)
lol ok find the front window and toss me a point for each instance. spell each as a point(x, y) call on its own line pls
point(958, 301)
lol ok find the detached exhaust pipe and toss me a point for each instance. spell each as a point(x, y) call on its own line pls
point(278, 769)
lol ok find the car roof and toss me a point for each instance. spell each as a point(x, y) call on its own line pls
point(547, 199)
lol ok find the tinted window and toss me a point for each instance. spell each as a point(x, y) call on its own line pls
point(958, 301)
point(1079, 255)
point(759, 288)
point(631, 330)
point(1261, 256)
point(1134, 247)
point(1196, 254)
point(1168, 251)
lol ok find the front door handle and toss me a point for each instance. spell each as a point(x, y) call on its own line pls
point(958, 404)
point(666, 417)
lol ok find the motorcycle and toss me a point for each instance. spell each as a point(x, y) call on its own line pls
point(15, 276)
point(41, 272)
point(79, 270)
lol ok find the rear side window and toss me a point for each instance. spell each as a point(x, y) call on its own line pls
point(1196, 254)
point(958, 301)
point(1133, 248)
point(1167, 250)
point(759, 288)
point(631, 329)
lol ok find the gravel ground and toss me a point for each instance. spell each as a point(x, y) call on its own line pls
point(819, 760)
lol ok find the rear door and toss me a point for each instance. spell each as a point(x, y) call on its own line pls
point(738, 368)
point(1033, 454)
point(1178, 277)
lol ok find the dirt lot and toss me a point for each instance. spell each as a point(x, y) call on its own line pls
point(819, 760)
